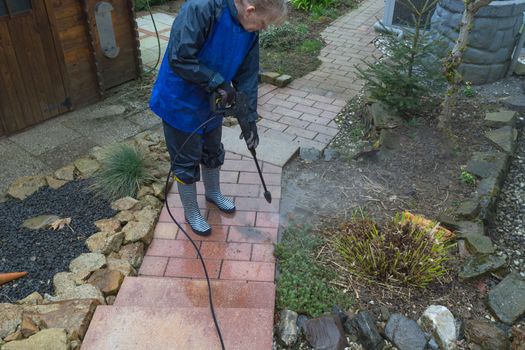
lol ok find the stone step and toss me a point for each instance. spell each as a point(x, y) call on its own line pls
point(135, 327)
point(179, 292)
point(271, 149)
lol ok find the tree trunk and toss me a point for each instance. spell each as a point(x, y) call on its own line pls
point(453, 60)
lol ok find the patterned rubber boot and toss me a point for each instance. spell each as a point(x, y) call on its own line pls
point(212, 190)
point(188, 197)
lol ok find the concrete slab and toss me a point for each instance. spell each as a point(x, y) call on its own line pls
point(146, 119)
point(44, 137)
point(16, 162)
point(105, 130)
point(67, 152)
point(271, 149)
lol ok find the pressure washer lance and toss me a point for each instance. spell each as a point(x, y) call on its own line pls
point(239, 110)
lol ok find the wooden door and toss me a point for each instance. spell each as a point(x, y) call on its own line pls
point(32, 79)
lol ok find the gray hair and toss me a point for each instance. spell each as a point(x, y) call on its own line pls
point(277, 8)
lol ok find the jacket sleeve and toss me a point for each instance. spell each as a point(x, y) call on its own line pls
point(247, 78)
point(190, 30)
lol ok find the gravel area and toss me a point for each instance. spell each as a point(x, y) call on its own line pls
point(45, 252)
point(508, 231)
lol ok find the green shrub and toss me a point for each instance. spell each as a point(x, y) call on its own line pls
point(409, 69)
point(122, 171)
point(283, 37)
point(303, 283)
point(398, 252)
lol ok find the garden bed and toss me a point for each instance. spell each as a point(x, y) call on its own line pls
point(420, 171)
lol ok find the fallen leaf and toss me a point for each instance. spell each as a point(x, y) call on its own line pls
point(60, 223)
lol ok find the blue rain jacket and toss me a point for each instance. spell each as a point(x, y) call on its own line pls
point(207, 47)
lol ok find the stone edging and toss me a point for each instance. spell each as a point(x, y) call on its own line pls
point(116, 251)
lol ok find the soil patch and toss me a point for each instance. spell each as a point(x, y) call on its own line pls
point(299, 57)
point(43, 253)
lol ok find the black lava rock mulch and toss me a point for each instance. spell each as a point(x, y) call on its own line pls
point(44, 253)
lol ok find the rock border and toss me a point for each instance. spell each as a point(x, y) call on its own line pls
point(116, 250)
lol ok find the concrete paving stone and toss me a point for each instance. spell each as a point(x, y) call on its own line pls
point(273, 125)
point(267, 219)
point(266, 107)
point(270, 115)
point(176, 292)
point(226, 250)
point(145, 119)
point(292, 130)
point(239, 165)
point(281, 102)
point(17, 162)
point(316, 119)
point(165, 230)
point(308, 109)
point(240, 218)
point(288, 112)
point(153, 266)
point(320, 98)
point(253, 178)
point(273, 150)
point(218, 234)
point(64, 153)
point(192, 268)
point(326, 139)
point(172, 248)
point(149, 42)
point(134, 328)
point(257, 204)
point(263, 252)
point(163, 18)
point(44, 137)
point(295, 122)
point(248, 271)
point(107, 130)
point(275, 190)
point(275, 134)
point(253, 234)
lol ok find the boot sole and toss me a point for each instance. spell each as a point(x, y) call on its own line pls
point(227, 211)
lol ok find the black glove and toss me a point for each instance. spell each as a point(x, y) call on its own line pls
point(227, 93)
point(250, 135)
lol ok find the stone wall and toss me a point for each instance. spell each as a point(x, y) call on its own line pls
point(491, 41)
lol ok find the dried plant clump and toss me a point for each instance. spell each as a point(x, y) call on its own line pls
point(400, 252)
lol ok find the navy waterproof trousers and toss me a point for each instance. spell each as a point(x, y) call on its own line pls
point(187, 153)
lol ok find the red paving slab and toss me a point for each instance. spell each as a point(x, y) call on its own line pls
point(164, 328)
point(248, 271)
point(174, 292)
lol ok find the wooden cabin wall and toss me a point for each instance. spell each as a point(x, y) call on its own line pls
point(124, 67)
point(70, 23)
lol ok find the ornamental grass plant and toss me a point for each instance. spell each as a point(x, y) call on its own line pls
point(123, 169)
point(400, 252)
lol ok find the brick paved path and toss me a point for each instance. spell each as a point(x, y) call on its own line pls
point(166, 306)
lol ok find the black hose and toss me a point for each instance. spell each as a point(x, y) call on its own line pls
point(158, 38)
point(188, 236)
